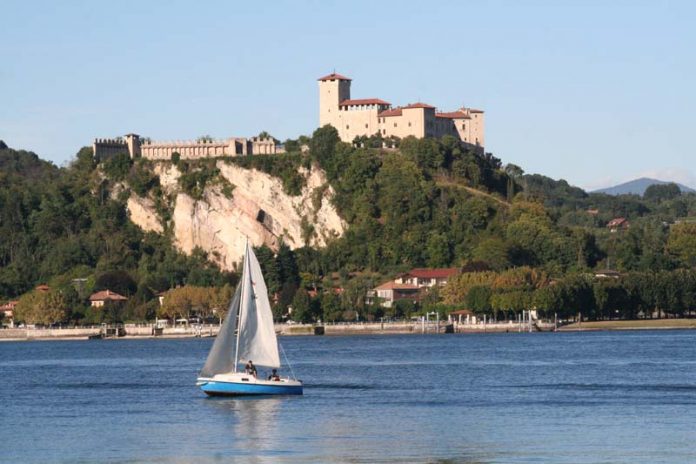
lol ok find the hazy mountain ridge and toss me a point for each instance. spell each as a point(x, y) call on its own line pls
point(638, 187)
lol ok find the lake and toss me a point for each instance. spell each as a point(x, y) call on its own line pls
point(603, 397)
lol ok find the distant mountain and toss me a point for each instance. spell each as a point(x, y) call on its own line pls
point(638, 186)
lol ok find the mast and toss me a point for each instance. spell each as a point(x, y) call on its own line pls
point(245, 270)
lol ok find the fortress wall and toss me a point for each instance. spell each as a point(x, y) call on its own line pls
point(188, 150)
point(106, 148)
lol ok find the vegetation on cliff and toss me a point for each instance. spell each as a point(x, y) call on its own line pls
point(523, 241)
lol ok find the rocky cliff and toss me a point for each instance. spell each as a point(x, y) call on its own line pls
point(219, 222)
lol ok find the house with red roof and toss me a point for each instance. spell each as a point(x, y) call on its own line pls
point(354, 118)
point(390, 292)
point(98, 299)
point(618, 223)
point(427, 277)
point(410, 285)
point(8, 311)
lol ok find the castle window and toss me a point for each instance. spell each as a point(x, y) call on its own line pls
point(347, 126)
point(394, 124)
point(365, 126)
point(463, 126)
point(384, 131)
point(409, 124)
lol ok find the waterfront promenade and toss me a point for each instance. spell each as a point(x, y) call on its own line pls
point(210, 330)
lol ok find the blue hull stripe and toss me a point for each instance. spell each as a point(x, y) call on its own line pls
point(229, 388)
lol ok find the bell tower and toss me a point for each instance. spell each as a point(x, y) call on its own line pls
point(333, 89)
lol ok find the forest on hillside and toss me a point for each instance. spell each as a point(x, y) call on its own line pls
point(522, 241)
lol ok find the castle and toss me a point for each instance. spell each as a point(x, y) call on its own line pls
point(352, 118)
point(137, 147)
point(370, 116)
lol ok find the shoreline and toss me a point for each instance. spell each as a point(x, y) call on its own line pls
point(333, 330)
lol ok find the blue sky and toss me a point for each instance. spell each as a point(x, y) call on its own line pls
point(593, 92)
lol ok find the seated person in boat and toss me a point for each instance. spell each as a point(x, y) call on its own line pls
point(274, 375)
point(250, 368)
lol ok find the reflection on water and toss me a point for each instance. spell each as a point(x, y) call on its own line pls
point(254, 421)
point(522, 398)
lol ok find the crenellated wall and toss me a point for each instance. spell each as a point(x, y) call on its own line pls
point(136, 147)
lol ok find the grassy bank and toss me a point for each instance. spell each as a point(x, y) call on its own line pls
point(633, 325)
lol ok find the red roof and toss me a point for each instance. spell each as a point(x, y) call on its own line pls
point(453, 115)
point(391, 285)
point(105, 295)
point(394, 112)
point(434, 273)
point(616, 222)
point(364, 101)
point(333, 77)
point(418, 105)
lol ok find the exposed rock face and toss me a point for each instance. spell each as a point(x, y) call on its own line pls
point(142, 212)
point(258, 209)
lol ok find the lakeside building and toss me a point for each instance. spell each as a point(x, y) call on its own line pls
point(369, 116)
point(410, 285)
point(8, 312)
point(99, 299)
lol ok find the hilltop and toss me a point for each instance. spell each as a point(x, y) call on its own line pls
point(638, 187)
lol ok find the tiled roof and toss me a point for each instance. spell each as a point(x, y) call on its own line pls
point(105, 295)
point(453, 115)
point(391, 285)
point(394, 112)
point(363, 101)
point(616, 222)
point(474, 110)
point(434, 273)
point(418, 105)
point(333, 77)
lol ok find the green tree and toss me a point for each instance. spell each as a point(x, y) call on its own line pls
point(301, 311)
point(478, 299)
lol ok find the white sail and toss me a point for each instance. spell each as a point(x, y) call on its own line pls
point(257, 338)
point(221, 356)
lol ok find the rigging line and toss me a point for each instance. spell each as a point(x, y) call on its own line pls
point(287, 361)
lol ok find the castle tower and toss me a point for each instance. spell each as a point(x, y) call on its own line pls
point(333, 89)
point(133, 143)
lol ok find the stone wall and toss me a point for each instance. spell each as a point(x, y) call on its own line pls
point(136, 147)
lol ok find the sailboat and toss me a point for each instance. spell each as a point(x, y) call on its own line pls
point(246, 335)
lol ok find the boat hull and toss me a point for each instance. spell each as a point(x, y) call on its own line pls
point(249, 386)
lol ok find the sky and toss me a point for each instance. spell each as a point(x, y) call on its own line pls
point(592, 92)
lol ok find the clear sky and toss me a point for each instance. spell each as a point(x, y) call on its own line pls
point(594, 92)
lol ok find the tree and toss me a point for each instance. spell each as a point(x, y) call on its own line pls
point(301, 311)
point(438, 249)
point(38, 307)
point(322, 147)
point(513, 173)
point(682, 243)
point(331, 306)
point(661, 192)
point(479, 299)
point(118, 281)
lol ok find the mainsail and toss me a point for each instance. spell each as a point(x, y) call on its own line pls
point(221, 356)
point(257, 338)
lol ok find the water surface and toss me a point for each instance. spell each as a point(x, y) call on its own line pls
point(487, 398)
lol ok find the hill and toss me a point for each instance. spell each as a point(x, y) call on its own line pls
point(333, 221)
point(638, 187)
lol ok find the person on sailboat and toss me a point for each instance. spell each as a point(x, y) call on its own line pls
point(274, 375)
point(250, 368)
